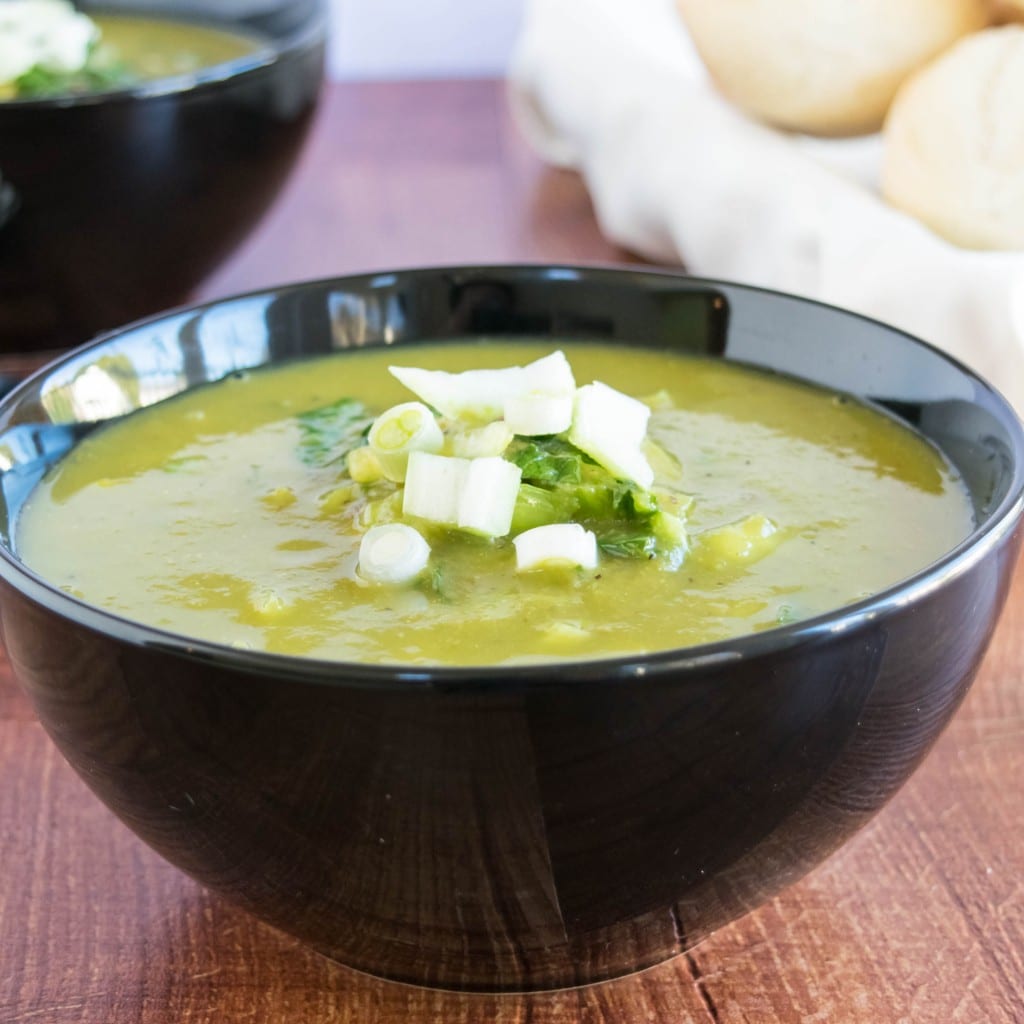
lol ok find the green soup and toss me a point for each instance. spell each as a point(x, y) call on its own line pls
point(136, 49)
point(228, 513)
point(159, 48)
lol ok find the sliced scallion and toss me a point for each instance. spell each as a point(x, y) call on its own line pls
point(400, 430)
point(488, 497)
point(433, 487)
point(559, 545)
point(393, 553)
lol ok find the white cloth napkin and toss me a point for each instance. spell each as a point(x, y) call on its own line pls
point(615, 90)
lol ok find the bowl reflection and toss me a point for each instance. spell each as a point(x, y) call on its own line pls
point(511, 828)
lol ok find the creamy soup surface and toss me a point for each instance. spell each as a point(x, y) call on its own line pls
point(228, 513)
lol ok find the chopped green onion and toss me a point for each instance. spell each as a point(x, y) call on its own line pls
point(534, 415)
point(538, 506)
point(478, 495)
point(610, 427)
point(400, 430)
point(433, 487)
point(549, 375)
point(481, 395)
point(476, 395)
point(392, 554)
point(480, 442)
point(559, 545)
point(363, 465)
point(488, 497)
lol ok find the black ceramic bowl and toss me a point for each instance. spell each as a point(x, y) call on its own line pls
point(114, 206)
point(511, 828)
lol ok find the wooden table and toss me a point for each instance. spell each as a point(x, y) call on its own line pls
point(919, 919)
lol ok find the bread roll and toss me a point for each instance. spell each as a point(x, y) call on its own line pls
point(954, 142)
point(829, 67)
point(1007, 10)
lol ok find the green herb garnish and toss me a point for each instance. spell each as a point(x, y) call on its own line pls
point(332, 431)
point(40, 81)
point(546, 461)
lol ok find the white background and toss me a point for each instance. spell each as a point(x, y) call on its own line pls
point(422, 38)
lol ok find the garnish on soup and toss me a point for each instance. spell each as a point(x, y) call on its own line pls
point(521, 451)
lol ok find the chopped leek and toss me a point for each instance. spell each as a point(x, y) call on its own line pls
point(481, 395)
point(475, 395)
point(550, 375)
point(538, 506)
point(558, 545)
point(363, 465)
point(480, 442)
point(472, 494)
point(433, 487)
point(400, 430)
point(392, 554)
point(610, 427)
point(488, 497)
point(532, 415)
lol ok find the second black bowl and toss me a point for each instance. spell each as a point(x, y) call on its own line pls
point(116, 205)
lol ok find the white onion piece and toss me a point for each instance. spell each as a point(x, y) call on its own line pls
point(481, 395)
point(433, 487)
point(488, 498)
point(610, 427)
point(534, 414)
point(558, 545)
point(550, 375)
point(477, 395)
point(393, 553)
point(481, 442)
point(405, 428)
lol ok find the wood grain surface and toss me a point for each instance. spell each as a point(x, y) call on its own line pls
point(919, 919)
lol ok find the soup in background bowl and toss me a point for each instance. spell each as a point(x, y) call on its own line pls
point(117, 201)
point(54, 50)
point(508, 827)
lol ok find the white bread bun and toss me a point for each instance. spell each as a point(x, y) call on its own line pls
point(1007, 10)
point(954, 142)
point(829, 67)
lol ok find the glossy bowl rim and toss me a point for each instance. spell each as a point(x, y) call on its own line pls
point(654, 665)
point(311, 34)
